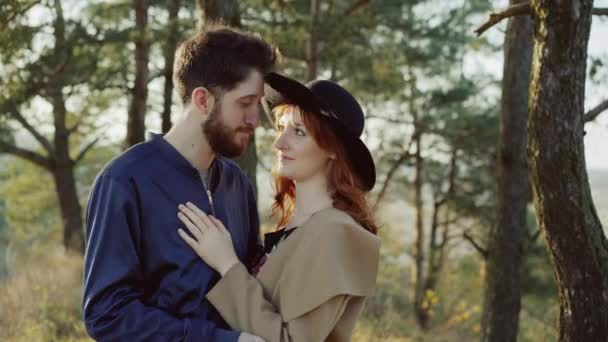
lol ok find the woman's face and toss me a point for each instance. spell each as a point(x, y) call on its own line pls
point(300, 158)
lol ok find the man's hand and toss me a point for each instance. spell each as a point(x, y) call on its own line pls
point(245, 337)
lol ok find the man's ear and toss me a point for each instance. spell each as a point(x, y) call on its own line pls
point(202, 101)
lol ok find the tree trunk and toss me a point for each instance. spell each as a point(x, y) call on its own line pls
point(502, 300)
point(62, 166)
point(556, 159)
point(136, 124)
point(437, 248)
point(228, 12)
point(71, 211)
point(422, 314)
point(312, 54)
point(169, 55)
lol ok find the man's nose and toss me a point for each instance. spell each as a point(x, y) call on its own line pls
point(253, 118)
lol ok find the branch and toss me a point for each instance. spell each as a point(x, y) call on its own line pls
point(389, 120)
point(599, 11)
point(15, 14)
point(495, 18)
point(153, 76)
point(592, 114)
point(481, 250)
point(402, 158)
point(535, 236)
point(520, 9)
point(14, 111)
point(354, 7)
point(84, 151)
point(30, 156)
point(75, 127)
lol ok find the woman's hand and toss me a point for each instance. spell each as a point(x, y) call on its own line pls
point(212, 241)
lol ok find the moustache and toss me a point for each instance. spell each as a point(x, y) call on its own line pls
point(246, 129)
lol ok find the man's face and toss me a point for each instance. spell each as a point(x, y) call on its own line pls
point(235, 116)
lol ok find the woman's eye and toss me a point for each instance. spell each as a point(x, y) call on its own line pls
point(300, 132)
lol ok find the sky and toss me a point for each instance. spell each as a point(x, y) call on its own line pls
point(596, 139)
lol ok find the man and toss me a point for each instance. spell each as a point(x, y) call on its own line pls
point(141, 281)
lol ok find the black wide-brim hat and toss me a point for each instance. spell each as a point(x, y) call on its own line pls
point(337, 105)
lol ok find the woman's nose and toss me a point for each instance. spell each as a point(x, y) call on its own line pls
point(280, 143)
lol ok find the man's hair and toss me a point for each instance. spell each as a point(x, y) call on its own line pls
point(218, 58)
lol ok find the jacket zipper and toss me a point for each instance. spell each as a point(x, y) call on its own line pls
point(208, 191)
point(211, 202)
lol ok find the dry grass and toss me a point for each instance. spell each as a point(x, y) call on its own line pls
point(40, 300)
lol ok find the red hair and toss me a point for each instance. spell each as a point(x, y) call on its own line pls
point(346, 189)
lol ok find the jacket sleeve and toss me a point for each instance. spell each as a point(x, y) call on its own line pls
point(113, 279)
point(254, 245)
point(240, 300)
point(316, 289)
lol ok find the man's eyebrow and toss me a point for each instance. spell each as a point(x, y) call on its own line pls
point(248, 97)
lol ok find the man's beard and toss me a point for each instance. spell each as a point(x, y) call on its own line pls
point(221, 138)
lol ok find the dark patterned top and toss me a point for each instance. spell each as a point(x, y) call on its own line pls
point(271, 241)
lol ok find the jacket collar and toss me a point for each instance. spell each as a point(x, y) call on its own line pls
point(177, 160)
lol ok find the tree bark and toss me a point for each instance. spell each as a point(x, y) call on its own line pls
point(422, 314)
point(502, 302)
point(62, 166)
point(169, 55)
point(556, 159)
point(312, 53)
point(71, 211)
point(136, 124)
point(227, 11)
point(437, 248)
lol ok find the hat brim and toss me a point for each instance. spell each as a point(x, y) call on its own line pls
point(279, 89)
point(282, 90)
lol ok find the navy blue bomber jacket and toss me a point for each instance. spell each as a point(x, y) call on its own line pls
point(141, 280)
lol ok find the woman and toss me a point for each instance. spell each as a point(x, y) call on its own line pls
point(322, 262)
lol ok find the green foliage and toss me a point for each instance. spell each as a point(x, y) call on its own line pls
point(405, 62)
point(31, 210)
point(353, 52)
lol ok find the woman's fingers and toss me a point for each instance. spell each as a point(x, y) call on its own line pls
point(219, 225)
point(196, 231)
point(200, 214)
point(193, 217)
point(190, 241)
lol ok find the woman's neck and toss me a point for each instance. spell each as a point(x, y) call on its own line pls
point(311, 197)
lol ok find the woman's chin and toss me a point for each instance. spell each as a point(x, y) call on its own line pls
point(284, 173)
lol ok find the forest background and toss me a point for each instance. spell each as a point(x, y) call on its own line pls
point(465, 251)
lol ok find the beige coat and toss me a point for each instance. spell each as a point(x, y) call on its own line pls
point(312, 287)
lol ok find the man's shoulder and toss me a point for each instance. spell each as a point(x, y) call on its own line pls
point(130, 162)
point(233, 172)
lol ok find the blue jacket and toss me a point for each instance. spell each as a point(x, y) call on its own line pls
point(141, 280)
